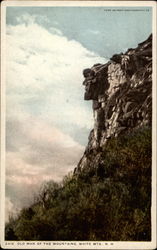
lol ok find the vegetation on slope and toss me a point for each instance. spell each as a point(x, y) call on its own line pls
point(113, 202)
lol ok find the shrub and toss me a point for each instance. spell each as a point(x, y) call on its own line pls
point(114, 203)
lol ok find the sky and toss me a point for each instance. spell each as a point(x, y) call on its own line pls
point(47, 120)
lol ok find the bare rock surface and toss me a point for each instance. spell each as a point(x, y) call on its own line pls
point(121, 92)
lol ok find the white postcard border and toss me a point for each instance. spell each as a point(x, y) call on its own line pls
point(76, 244)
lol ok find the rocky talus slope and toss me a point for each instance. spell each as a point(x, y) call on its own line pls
point(121, 91)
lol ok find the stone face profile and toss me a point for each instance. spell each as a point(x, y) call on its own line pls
point(121, 91)
point(93, 84)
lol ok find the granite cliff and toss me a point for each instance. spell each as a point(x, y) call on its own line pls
point(108, 197)
point(121, 92)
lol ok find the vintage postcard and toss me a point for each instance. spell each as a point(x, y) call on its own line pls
point(78, 125)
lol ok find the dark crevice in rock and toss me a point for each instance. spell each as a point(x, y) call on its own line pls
point(121, 92)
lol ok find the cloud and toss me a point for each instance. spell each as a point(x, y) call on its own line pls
point(8, 208)
point(44, 73)
point(38, 153)
point(26, 19)
point(45, 107)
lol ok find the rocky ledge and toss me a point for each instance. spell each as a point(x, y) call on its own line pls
point(121, 91)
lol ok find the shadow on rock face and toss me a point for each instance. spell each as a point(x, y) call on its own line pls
point(94, 83)
point(91, 90)
point(90, 84)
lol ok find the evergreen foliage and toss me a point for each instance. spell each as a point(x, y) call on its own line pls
point(111, 203)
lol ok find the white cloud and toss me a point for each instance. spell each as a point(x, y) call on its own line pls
point(48, 67)
point(55, 31)
point(26, 18)
point(44, 98)
point(35, 144)
point(10, 209)
point(38, 153)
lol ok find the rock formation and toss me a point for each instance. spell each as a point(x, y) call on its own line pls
point(108, 198)
point(121, 91)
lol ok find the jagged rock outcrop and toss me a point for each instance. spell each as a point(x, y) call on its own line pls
point(108, 198)
point(121, 91)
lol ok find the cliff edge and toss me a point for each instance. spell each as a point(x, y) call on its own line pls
point(121, 92)
point(108, 197)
